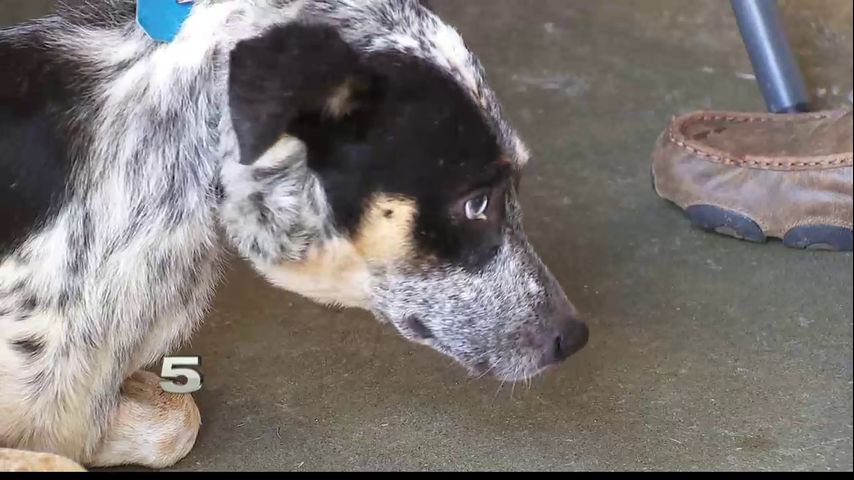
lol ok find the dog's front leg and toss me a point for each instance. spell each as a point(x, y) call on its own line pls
point(150, 427)
point(67, 381)
point(99, 424)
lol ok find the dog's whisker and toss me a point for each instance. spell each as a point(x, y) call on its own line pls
point(485, 372)
point(500, 386)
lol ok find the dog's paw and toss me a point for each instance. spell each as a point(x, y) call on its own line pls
point(151, 427)
point(25, 461)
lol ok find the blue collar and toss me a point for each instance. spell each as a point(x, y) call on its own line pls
point(162, 19)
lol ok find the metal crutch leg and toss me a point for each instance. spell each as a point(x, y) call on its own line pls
point(776, 70)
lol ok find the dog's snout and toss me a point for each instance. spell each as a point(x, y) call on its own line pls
point(569, 336)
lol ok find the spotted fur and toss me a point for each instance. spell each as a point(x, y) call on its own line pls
point(121, 157)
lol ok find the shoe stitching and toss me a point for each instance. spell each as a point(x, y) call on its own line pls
point(839, 161)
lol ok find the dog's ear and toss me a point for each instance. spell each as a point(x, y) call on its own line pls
point(298, 80)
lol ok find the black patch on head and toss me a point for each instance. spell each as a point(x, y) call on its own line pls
point(286, 73)
point(31, 347)
point(38, 88)
point(414, 132)
point(423, 138)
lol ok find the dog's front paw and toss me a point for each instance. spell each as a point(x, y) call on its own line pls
point(151, 427)
point(26, 461)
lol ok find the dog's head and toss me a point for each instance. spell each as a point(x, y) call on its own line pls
point(414, 175)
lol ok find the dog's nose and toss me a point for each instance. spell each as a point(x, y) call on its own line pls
point(569, 337)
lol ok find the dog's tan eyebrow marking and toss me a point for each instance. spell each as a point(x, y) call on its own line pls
point(385, 232)
point(336, 272)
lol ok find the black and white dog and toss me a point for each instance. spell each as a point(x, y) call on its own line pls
point(350, 149)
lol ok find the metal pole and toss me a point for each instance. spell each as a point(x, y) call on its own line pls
point(776, 70)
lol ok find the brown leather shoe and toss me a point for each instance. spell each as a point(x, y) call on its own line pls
point(753, 176)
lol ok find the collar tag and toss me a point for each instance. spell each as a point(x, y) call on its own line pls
point(162, 19)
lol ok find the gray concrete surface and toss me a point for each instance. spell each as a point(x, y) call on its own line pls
point(705, 352)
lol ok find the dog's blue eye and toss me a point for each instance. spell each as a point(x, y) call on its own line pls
point(476, 207)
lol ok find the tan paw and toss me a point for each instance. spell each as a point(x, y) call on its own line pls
point(151, 427)
point(25, 461)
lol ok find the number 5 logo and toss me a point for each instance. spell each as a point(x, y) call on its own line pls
point(171, 372)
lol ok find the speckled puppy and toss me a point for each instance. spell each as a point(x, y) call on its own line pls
point(351, 149)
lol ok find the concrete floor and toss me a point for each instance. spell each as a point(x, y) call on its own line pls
point(705, 352)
